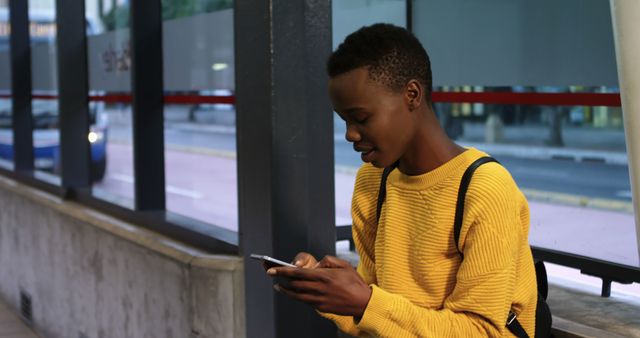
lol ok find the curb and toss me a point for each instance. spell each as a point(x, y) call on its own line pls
point(205, 128)
point(550, 153)
point(577, 200)
point(518, 151)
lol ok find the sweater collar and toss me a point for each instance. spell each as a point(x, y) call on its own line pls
point(437, 175)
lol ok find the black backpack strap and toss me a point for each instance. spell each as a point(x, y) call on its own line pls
point(464, 185)
point(512, 322)
point(382, 193)
point(514, 326)
point(541, 279)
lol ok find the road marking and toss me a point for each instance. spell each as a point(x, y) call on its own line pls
point(553, 197)
point(121, 178)
point(184, 192)
point(228, 154)
point(624, 193)
point(171, 189)
point(577, 200)
point(540, 172)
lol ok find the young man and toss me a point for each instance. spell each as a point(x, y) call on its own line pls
point(411, 280)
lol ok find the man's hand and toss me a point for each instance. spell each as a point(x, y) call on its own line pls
point(305, 260)
point(332, 286)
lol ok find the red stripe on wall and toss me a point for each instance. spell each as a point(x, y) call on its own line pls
point(549, 99)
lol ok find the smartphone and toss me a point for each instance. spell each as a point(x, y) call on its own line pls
point(271, 262)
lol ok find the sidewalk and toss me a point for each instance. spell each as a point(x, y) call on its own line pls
point(11, 326)
point(582, 144)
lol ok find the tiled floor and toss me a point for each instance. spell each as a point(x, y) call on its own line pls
point(11, 326)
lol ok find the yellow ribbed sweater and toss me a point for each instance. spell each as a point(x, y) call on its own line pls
point(421, 287)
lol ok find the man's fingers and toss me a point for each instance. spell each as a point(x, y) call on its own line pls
point(333, 262)
point(304, 260)
point(304, 286)
point(309, 298)
point(296, 273)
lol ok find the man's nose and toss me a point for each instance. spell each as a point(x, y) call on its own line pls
point(352, 134)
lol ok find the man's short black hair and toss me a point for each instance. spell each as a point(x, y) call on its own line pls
point(392, 54)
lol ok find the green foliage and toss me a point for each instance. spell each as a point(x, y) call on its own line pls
point(118, 17)
point(173, 9)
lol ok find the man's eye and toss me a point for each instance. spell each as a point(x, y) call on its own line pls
point(363, 120)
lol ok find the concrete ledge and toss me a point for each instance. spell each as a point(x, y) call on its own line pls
point(144, 237)
point(563, 328)
point(91, 275)
point(583, 312)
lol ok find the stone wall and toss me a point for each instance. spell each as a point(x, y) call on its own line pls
point(90, 275)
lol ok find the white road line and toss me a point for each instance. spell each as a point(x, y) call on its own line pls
point(540, 172)
point(171, 189)
point(184, 192)
point(121, 177)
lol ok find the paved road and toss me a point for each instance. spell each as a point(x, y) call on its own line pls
point(593, 180)
point(204, 187)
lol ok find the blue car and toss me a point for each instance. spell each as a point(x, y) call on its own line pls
point(46, 137)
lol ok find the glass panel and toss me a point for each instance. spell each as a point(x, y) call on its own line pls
point(109, 101)
point(112, 154)
point(503, 43)
point(200, 138)
point(44, 76)
point(6, 136)
point(570, 161)
point(349, 16)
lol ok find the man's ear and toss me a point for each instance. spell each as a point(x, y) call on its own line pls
point(414, 94)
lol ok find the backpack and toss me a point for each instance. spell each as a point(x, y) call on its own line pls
point(543, 313)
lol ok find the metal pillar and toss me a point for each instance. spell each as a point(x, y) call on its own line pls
point(73, 89)
point(285, 152)
point(147, 89)
point(626, 29)
point(21, 85)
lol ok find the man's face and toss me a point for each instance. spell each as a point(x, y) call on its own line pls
point(379, 123)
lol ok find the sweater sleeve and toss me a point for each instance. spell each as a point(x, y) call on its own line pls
point(364, 227)
point(479, 303)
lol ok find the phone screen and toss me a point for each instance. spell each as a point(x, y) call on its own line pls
point(271, 262)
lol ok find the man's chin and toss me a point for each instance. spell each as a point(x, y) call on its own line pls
point(381, 163)
point(377, 164)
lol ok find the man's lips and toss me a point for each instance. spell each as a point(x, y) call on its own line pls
point(361, 149)
point(366, 153)
point(368, 156)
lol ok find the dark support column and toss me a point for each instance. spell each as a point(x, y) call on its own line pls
point(606, 288)
point(285, 152)
point(21, 85)
point(73, 98)
point(147, 92)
